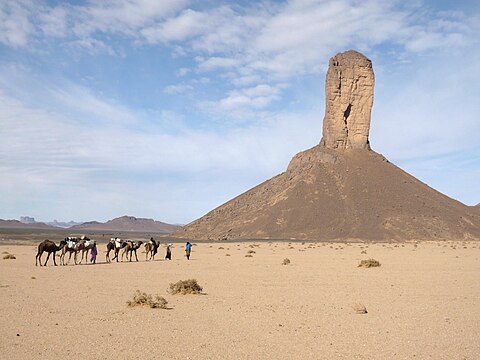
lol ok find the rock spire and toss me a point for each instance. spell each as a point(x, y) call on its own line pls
point(349, 99)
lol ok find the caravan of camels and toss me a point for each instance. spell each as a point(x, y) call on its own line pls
point(75, 245)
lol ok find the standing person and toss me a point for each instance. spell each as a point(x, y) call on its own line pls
point(168, 256)
point(93, 259)
point(188, 250)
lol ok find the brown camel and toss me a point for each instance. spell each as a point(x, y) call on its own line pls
point(151, 249)
point(49, 247)
point(87, 246)
point(132, 247)
point(114, 245)
point(74, 245)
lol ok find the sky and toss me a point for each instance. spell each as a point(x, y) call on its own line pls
point(167, 109)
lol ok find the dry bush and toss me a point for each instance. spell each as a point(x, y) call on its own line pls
point(5, 252)
point(144, 299)
point(359, 308)
point(363, 252)
point(184, 287)
point(248, 255)
point(369, 263)
point(227, 254)
point(9, 256)
point(251, 252)
point(286, 261)
point(220, 248)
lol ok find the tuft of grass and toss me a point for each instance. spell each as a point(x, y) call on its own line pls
point(359, 308)
point(369, 263)
point(144, 299)
point(9, 256)
point(251, 252)
point(184, 287)
point(286, 261)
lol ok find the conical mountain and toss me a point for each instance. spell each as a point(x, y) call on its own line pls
point(340, 189)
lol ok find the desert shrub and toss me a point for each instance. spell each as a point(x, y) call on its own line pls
point(183, 287)
point(286, 261)
point(9, 256)
point(359, 308)
point(227, 254)
point(369, 263)
point(248, 255)
point(5, 252)
point(363, 252)
point(251, 252)
point(220, 248)
point(144, 299)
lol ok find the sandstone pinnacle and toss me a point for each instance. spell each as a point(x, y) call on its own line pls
point(349, 99)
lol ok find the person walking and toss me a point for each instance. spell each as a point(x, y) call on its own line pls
point(168, 255)
point(188, 250)
point(93, 253)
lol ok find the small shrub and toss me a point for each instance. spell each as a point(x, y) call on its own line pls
point(33, 278)
point(248, 255)
point(369, 263)
point(360, 308)
point(144, 299)
point(227, 254)
point(286, 261)
point(251, 252)
point(5, 252)
point(184, 287)
point(363, 252)
point(9, 256)
point(221, 248)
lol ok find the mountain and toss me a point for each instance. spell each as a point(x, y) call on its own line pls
point(128, 223)
point(340, 189)
point(15, 224)
point(63, 224)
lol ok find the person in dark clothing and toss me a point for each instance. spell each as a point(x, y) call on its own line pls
point(168, 255)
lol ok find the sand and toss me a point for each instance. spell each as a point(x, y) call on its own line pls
point(423, 303)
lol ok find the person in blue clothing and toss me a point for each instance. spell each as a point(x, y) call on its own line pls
point(188, 250)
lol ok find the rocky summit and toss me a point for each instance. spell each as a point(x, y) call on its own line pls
point(341, 190)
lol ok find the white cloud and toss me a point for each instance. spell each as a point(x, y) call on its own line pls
point(177, 89)
point(15, 27)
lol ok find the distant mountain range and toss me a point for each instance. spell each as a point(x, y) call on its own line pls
point(124, 223)
point(128, 223)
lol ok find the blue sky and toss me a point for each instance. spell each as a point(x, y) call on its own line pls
point(166, 109)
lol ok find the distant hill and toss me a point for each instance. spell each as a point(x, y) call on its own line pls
point(63, 224)
point(15, 224)
point(128, 223)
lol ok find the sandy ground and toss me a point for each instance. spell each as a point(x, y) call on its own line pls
point(422, 303)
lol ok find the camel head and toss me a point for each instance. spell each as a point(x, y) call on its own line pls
point(62, 243)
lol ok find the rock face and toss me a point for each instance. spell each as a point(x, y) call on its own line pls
point(340, 190)
point(349, 99)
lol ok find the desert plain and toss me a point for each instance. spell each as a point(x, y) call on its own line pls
point(423, 302)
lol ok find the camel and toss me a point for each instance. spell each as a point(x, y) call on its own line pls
point(114, 244)
point(132, 247)
point(87, 246)
point(151, 248)
point(49, 247)
point(74, 245)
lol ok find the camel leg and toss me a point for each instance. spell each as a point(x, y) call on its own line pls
point(136, 257)
point(54, 261)
point(47, 259)
point(107, 257)
point(39, 257)
point(75, 257)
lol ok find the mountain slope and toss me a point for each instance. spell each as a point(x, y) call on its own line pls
point(337, 195)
